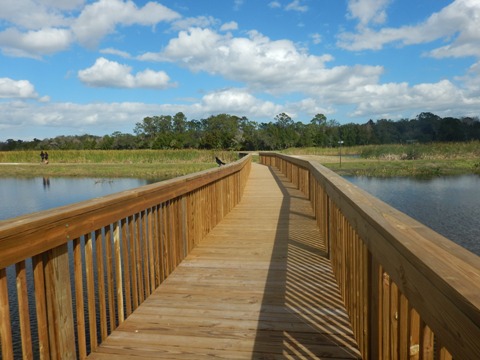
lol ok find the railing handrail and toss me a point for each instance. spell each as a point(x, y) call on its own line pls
point(440, 279)
point(56, 224)
point(93, 263)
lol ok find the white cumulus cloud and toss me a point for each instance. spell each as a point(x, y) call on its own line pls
point(368, 11)
point(274, 66)
point(100, 18)
point(21, 89)
point(34, 43)
point(457, 23)
point(106, 73)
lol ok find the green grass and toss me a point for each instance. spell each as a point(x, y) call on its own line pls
point(148, 171)
point(118, 156)
point(419, 160)
point(147, 164)
point(413, 168)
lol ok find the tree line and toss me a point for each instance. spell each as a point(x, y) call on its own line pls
point(230, 132)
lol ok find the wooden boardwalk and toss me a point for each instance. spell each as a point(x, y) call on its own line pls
point(258, 287)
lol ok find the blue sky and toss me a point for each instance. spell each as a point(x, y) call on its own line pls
point(73, 67)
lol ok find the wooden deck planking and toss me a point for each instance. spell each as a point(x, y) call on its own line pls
point(259, 286)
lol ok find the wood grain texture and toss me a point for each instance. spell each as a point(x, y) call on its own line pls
point(439, 279)
point(258, 286)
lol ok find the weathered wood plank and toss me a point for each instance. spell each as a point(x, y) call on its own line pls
point(257, 286)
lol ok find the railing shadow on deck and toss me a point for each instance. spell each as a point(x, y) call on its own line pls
point(76, 272)
point(410, 292)
point(300, 285)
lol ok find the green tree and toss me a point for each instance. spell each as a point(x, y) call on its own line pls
point(287, 136)
point(319, 126)
point(349, 134)
point(451, 129)
point(154, 132)
point(220, 132)
point(427, 127)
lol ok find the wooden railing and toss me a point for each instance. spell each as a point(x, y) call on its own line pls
point(80, 270)
point(410, 293)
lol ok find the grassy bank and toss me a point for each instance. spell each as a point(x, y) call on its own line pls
point(149, 171)
point(147, 164)
point(132, 157)
point(420, 160)
point(415, 168)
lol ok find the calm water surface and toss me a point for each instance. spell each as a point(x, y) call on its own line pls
point(19, 196)
point(448, 205)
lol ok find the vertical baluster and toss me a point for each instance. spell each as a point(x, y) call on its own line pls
point(365, 302)
point(426, 344)
point(118, 271)
point(180, 232)
point(442, 353)
point(190, 220)
point(126, 268)
point(5, 324)
point(403, 322)
point(157, 247)
point(101, 284)
point(133, 260)
point(139, 259)
point(171, 236)
point(374, 334)
point(80, 310)
point(110, 279)
point(23, 311)
point(414, 335)
point(164, 237)
point(41, 305)
point(394, 331)
point(150, 253)
point(59, 302)
point(386, 315)
point(154, 243)
point(90, 277)
point(145, 252)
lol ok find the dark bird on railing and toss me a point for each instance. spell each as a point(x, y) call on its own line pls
point(219, 162)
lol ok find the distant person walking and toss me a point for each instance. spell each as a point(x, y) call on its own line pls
point(42, 155)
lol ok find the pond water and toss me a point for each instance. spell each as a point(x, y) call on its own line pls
point(448, 205)
point(19, 196)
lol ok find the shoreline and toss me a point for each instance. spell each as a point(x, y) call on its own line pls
point(357, 167)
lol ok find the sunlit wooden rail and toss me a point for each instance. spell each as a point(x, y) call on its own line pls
point(180, 269)
point(257, 286)
point(410, 293)
point(95, 262)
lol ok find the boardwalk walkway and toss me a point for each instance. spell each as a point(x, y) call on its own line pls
point(258, 287)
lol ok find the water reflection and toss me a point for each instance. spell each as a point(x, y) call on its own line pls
point(448, 205)
point(46, 182)
point(19, 196)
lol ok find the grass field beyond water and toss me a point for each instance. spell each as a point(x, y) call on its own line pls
point(421, 160)
point(146, 164)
